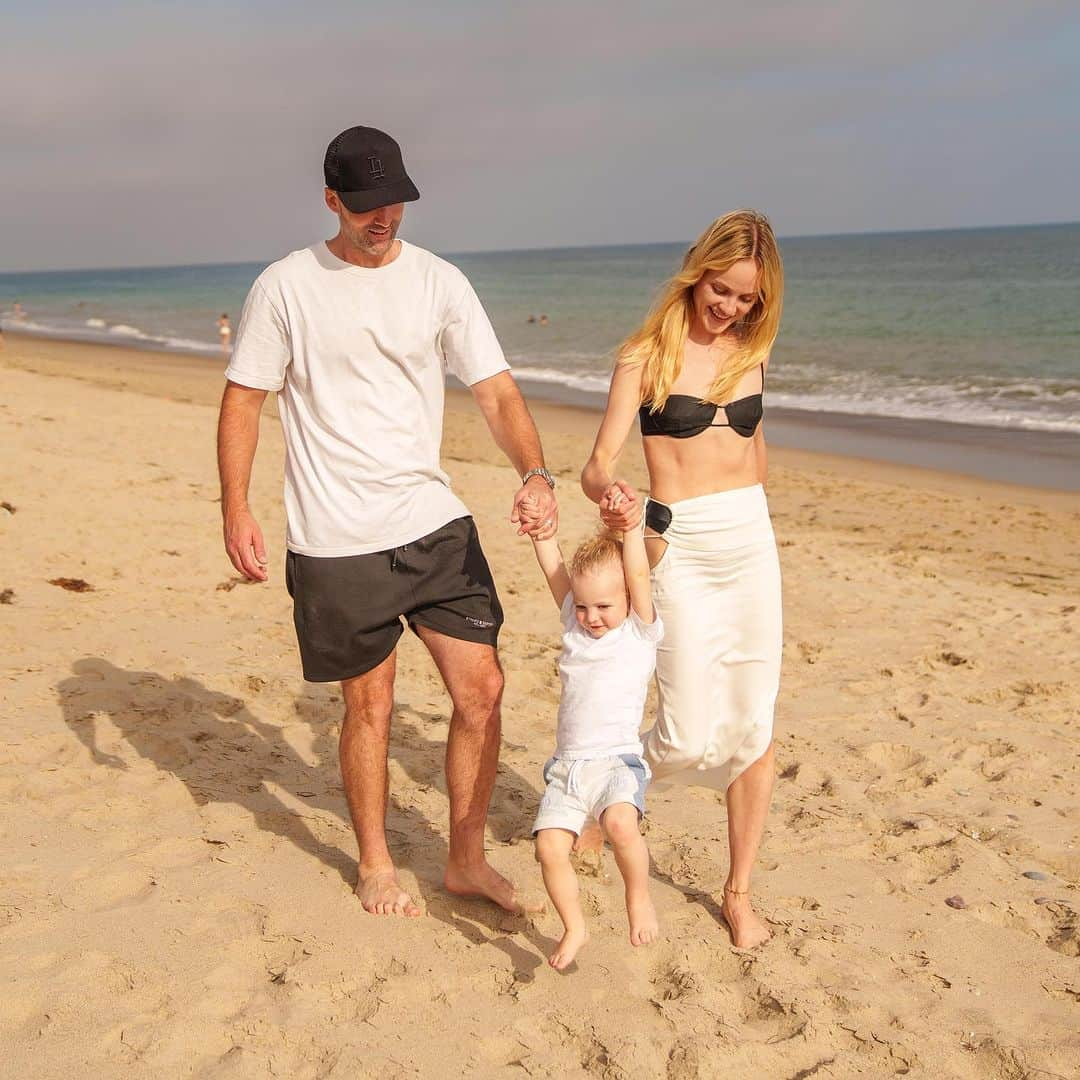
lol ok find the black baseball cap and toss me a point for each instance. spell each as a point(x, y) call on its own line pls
point(363, 165)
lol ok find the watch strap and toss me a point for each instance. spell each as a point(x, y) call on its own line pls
point(542, 473)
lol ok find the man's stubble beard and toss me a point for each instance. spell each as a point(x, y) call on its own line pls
point(380, 247)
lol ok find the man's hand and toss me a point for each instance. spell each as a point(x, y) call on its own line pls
point(620, 507)
point(536, 511)
point(244, 544)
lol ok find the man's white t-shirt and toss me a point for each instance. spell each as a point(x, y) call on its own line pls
point(605, 682)
point(360, 356)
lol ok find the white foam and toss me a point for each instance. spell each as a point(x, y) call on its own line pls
point(1048, 404)
point(942, 409)
point(1021, 404)
point(580, 380)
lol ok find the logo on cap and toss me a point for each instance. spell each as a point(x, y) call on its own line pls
point(376, 166)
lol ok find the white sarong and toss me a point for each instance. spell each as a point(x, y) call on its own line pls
point(717, 588)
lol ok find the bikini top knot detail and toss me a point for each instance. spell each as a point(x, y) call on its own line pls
point(684, 416)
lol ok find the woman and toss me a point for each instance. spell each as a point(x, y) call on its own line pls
point(694, 374)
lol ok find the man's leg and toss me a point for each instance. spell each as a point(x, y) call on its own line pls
point(474, 680)
point(365, 740)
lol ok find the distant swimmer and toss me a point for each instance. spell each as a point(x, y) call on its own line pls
point(18, 311)
point(531, 319)
point(543, 320)
point(224, 331)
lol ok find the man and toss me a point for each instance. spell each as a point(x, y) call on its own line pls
point(356, 334)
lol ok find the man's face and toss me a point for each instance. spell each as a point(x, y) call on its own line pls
point(372, 232)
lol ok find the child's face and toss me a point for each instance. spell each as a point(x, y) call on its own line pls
point(600, 599)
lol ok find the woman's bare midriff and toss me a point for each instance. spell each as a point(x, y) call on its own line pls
point(686, 468)
point(717, 460)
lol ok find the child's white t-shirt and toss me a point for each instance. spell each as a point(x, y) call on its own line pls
point(605, 681)
point(360, 357)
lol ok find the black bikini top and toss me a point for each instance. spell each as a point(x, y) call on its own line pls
point(684, 416)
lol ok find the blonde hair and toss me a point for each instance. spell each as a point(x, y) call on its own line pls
point(599, 550)
point(658, 344)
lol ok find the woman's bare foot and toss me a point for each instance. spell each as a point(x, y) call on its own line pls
point(568, 948)
point(381, 894)
point(587, 856)
point(644, 926)
point(591, 838)
point(483, 880)
point(747, 929)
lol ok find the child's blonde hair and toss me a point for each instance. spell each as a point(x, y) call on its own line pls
point(599, 550)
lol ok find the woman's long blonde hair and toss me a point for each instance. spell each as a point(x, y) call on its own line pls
point(658, 344)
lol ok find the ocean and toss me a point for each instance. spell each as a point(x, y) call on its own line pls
point(973, 326)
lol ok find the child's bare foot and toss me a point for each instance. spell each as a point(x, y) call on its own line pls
point(568, 948)
point(747, 929)
point(380, 894)
point(644, 926)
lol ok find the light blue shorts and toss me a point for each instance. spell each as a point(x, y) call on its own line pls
point(580, 789)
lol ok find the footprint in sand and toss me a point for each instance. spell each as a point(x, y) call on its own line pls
point(111, 891)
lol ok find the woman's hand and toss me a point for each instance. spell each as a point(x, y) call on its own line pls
point(620, 507)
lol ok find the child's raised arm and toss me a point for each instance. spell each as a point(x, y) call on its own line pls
point(549, 556)
point(636, 566)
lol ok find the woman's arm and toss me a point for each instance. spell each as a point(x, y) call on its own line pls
point(624, 397)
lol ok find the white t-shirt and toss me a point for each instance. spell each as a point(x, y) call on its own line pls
point(605, 681)
point(360, 356)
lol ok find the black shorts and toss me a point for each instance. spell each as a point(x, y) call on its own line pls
point(348, 610)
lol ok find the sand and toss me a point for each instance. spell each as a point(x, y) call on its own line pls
point(175, 898)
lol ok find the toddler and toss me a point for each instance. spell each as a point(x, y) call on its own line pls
point(610, 634)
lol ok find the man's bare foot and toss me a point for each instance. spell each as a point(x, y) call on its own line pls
point(482, 880)
point(568, 948)
point(747, 929)
point(644, 926)
point(380, 894)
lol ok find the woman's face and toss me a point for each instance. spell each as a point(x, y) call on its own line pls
point(722, 297)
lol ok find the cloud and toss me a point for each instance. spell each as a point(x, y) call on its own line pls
point(196, 133)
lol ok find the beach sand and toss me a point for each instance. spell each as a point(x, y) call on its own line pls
point(175, 898)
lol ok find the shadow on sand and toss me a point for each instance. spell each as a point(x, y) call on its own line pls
point(223, 753)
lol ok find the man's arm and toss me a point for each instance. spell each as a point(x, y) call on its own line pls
point(514, 432)
point(238, 436)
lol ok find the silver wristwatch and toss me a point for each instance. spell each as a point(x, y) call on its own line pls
point(542, 473)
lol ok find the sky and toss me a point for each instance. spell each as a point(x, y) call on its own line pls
point(187, 132)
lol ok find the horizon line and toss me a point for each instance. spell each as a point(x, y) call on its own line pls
point(566, 247)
